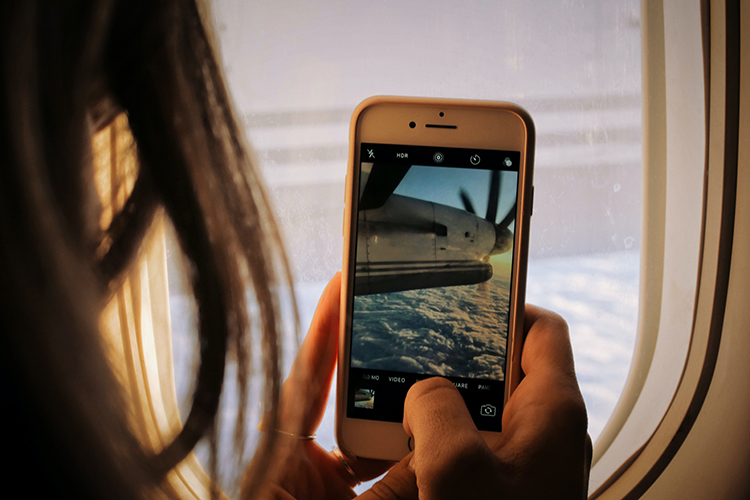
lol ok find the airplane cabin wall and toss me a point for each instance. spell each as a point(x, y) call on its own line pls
point(714, 460)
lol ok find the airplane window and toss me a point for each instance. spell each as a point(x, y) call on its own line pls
point(297, 69)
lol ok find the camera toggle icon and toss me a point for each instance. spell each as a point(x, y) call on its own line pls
point(488, 411)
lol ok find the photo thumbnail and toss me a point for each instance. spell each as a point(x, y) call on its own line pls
point(364, 398)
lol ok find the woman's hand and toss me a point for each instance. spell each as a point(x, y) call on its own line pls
point(543, 451)
point(307, 471)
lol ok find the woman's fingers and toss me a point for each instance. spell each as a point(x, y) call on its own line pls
point(399, 484)
point(548, 397)
point(434, 412)
point(366, 469)
point(451, 458)
point(544, 422)
point(305, 392)
point(547, 344)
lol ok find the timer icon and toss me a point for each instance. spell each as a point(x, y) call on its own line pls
point(475, 159)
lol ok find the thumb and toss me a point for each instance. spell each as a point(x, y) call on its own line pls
point(451, 458)
point(305, 392)
point(399, 484)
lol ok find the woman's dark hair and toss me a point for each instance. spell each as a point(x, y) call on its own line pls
point(66, 65)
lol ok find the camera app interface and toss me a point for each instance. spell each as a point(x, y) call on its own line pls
point(432, 281)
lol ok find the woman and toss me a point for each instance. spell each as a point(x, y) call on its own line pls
point(68, 68)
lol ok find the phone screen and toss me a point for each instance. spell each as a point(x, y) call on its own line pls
point(434, 240)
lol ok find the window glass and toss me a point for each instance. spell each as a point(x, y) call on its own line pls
point(297, 69)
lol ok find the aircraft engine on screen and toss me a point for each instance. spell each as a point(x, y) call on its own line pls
point(404, 243)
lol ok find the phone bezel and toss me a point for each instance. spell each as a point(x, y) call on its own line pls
point(386, 120)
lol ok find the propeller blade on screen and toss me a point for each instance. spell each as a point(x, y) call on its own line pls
point(468, 205)
point(494, 196)
point(510, 217)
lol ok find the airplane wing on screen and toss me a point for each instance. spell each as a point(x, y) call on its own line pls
point(386, 277)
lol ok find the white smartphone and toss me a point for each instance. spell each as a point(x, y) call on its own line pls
point(438, 201)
